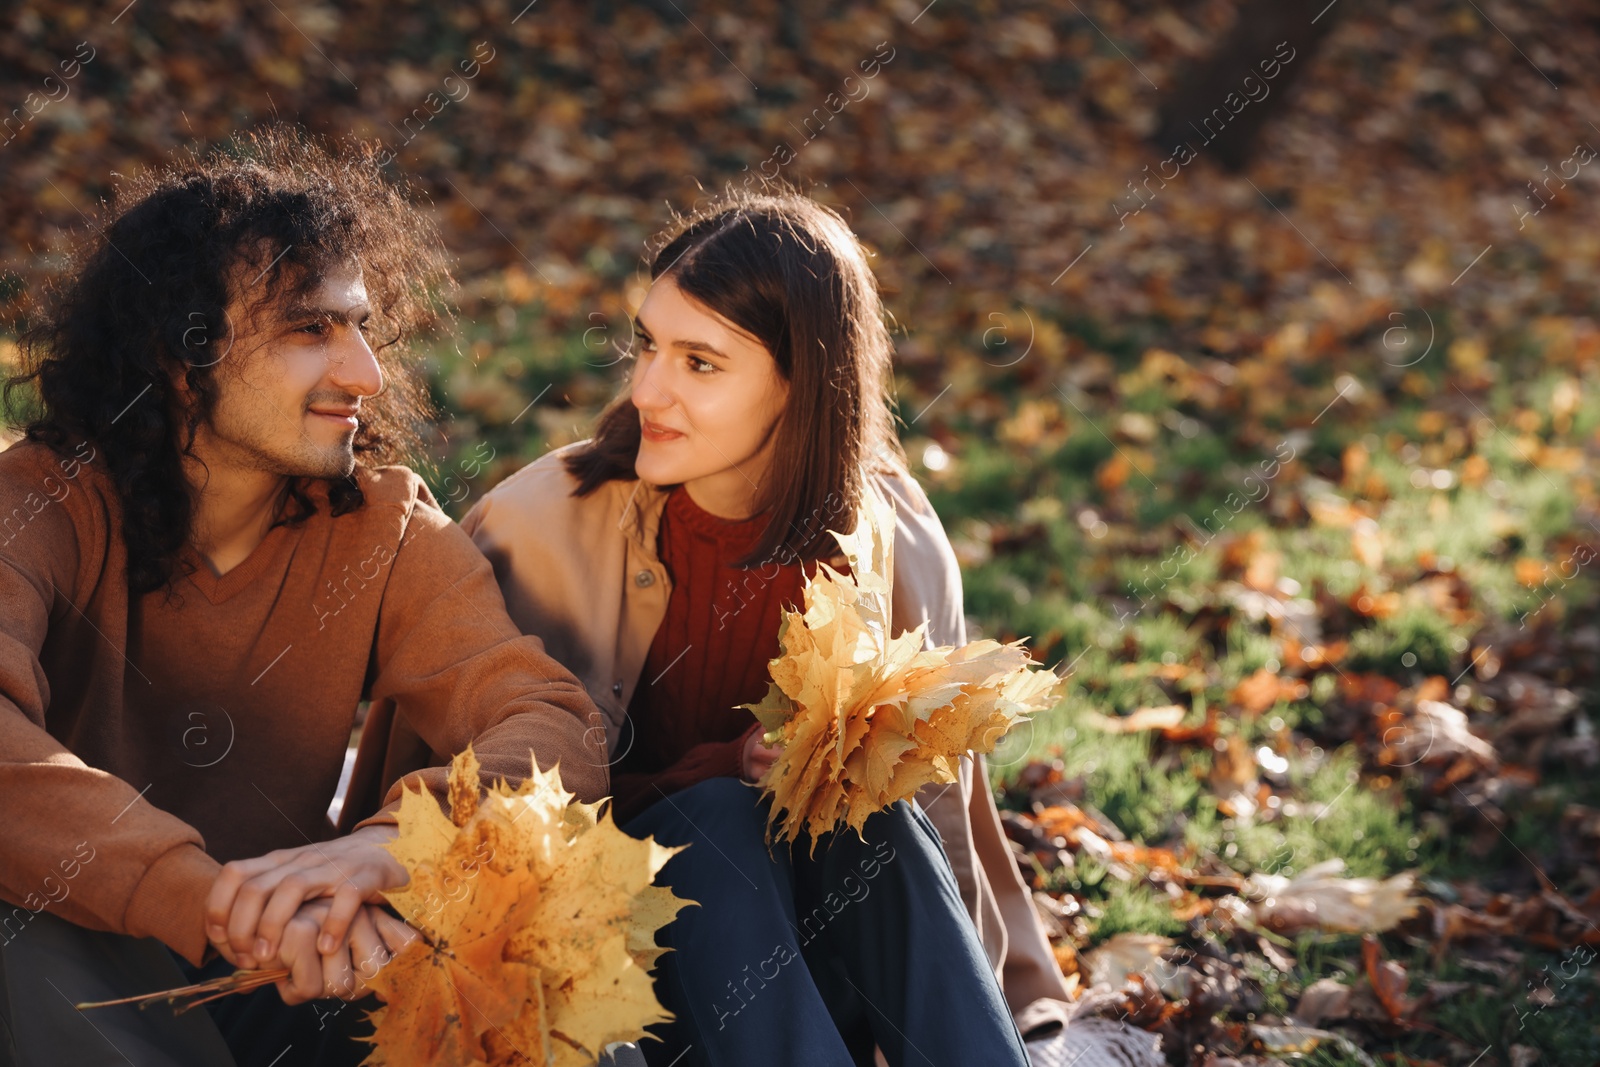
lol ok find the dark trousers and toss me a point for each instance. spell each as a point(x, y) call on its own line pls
point(810, 960)
point(262, 1031)
point(49, 965)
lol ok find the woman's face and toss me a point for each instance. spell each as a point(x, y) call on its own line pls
point(708, 396)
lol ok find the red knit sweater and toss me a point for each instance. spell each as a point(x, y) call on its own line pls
point(709, 656)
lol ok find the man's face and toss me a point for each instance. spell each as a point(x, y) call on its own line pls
point(291, 387)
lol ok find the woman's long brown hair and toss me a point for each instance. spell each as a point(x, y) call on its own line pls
point(789, 272)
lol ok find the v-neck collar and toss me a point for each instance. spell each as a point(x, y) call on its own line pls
point(220, 588)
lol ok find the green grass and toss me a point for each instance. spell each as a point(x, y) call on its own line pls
point(1134, 909)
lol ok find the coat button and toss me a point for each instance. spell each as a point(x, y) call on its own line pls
point(616, 688)
point(644, 579)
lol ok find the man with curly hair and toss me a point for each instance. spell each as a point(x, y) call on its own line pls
point(211, 552)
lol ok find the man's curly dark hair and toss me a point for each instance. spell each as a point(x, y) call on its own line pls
point(146, 301)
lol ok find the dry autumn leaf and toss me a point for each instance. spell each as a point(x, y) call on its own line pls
point(1388, 980)
point(1366, 544)
point(1319, 898)
point(538, 921)
point(1150, 718)
point(1262, 691)
point(866, 719)
point(1436, 732)
point(1124, 955)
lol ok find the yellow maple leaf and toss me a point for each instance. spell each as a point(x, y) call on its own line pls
point(538, 919)
point(865, 719)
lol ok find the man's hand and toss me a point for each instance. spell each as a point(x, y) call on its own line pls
point(757, 758)
point(253, 900)
point(375, 938)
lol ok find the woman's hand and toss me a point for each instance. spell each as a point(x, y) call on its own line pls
point(375, 938)
point(757, 758)
point(253, 900)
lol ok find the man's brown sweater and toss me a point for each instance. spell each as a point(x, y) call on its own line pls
point(144, 741)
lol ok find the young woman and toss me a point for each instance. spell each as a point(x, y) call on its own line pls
point(654, 561)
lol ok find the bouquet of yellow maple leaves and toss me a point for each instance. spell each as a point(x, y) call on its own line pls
point(538, 925)
point(865, 719)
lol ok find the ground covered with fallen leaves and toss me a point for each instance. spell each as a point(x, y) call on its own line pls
point(1288, 472)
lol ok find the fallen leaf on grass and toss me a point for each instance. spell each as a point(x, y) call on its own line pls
point(1264, 689)
point(1320, 899)
point(1524, 1056)
point(1122, 956)
point(1323, 1000)
point(1437, 732)
point(1366, 544)
point(1233, 767)
point(1157, 718)
point(1303, 1040)
point(1388, 980)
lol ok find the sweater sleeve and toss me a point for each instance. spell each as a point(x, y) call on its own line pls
point(76, 842)
point(461, 672)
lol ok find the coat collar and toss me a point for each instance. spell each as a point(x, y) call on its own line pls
point(640, 520)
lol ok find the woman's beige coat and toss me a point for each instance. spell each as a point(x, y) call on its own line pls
point(582, 574)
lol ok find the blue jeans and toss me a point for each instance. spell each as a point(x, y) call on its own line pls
point(810, 959)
